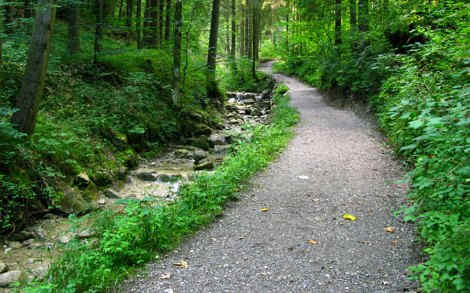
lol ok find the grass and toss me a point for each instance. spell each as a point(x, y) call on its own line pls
point(133, 237)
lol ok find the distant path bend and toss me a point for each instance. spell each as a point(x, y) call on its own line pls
point(334, 165)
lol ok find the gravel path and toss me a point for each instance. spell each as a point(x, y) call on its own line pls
point(335, 165)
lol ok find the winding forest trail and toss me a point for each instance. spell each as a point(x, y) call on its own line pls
point(335, 165)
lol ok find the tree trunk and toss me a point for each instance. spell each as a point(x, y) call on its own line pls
point(254, 9)
point(138, 24)
point(353, 16)
point(36, 68)
point(177, 51)
point(148, 34)
point(363, 15)
point(212, 90)
point(338, 7)
point(161, 21)
point(168, 20)
point(120, 8)
point(130, 5)
point(73, 22)
point(234, 32)
point(98, 28)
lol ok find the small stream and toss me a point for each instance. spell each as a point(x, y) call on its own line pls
point(29, 253)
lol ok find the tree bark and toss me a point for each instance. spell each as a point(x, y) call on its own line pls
point(338, 7)
point(36, 68)
point(177, 51)
point(353, 16)
point(212, 90)
point(234, 31)
point(73, 22)
point(363, 15)
point(161, 21)
point(138, 24)
point(98, 28)
point(130, 5)
point(168, 20)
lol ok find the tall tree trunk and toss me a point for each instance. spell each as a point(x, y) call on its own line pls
point(27, 9)
point(168, 20)
point(353, 16)
point(234, 31)
point(242, 30)
point(73, 22)
point(98, 28)
point(121, 4)
point(130, 5)
point(138, 24)
point(338, 7)
point(254, 9)
point(363, 15)
point(385, 9)
point(148, 34)
point(177, 51)
point(161, 21)
point(212, 90)
point(36, 68)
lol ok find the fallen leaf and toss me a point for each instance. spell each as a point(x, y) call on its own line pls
point(349, 217)
point(313, 242)
point(182, 264)
point(165, 276)
point(264, 209)
point(304, 177)
point(390, 229)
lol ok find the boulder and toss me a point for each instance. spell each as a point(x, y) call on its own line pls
point(200, 154)
point(217, 139)
point(82, 180)
point(3, 268)
point(109, 193)
point(40, 271)
point(147, 176)
point(72, 201)
point(22, 236)
point(205, 164)
point(201, 142)
point(9, 279)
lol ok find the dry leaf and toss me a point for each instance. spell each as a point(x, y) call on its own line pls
point(349, 217)
point(182, 264)
point(165, 276)
point(390, 229)
point(264, 209)
point(304, 177)
point(313, 242)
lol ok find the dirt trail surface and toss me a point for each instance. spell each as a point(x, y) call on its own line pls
point(334, 166)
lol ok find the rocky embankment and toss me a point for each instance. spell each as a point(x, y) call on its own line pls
point(27, 255)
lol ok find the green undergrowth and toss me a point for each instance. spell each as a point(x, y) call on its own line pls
point(133, 237)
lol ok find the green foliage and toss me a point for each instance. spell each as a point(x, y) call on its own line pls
point(131, 238)
point(238, 75)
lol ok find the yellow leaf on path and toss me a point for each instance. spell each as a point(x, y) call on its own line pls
point(264, 209)
point(182, 264)
point(349, 217)
point(390, 229)
point(313, 242)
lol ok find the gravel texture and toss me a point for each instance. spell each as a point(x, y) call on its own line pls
point(335, 165)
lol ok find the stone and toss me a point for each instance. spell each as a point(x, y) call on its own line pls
point(217, 139)
point(15, 245)
point(64, 239)
point(40, 271)
point(183, 153)
point(73, 202)
point(147, 176)
point(205, 164)
point(102, 201)
point(82, 180)
point(222, 149)
point(22, 236)
point(199, 154)
point(88, 233)
point(201, 142)
point(3, 268)
point(10, 278)
point(109, 193)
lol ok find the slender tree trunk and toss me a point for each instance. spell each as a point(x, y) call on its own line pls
point(385, 9)
point(363, 15)
point(148, 34)
point(120, 8)
point(254, 9)
point(36, 68)
point(177, 51)
point(138, 24)
point(168, 20)
point(73, 22)
point(338, 7)
point(242, 31)
point(249, 34)
point(353, 16)
point(287, 27)
point(98, 28)
point(27, 9)
point(212, 90)
point(161, 21)
point(130, 5)
point(234, 31)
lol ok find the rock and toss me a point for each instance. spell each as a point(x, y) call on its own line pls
point(217, 139)
point(102, 201)
point(205, 164)
point(15, 245)
point(39, 232)
point(199, 154)
point(88, 233)
point(10, 278)
point(201, 129)
point(28, 242)
point(147, 176)
point(183, 153)
point(40, 271)
point(164, 178)
point(64, 239)
point(22, 236)
point(3, 268)
point(222, 149)
point(122, 173)
point(73, 202)
point(201, 142)
point(82, 180)
point(109, 193)
point(102, 178)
